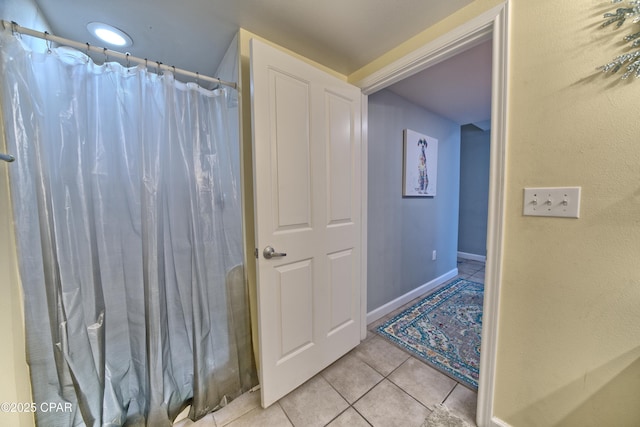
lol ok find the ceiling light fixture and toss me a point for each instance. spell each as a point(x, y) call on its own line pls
point(109, 34)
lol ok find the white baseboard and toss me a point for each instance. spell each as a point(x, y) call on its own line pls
point(472, 257)
point(387, 308)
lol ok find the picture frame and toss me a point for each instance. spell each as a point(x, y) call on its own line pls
point(420, 165)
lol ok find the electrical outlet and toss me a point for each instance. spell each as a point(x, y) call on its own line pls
point(433, 255)
point(552, 201)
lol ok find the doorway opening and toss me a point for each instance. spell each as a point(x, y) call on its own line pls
point(490, 25)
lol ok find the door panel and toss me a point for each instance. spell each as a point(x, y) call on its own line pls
point(341, 299)
point(290, 139)
point(340, 158)
point(295, 289)
point(306, 136)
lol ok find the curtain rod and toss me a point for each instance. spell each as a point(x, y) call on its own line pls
point(107, 52)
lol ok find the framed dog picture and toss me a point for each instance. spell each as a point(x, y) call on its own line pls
point(420, 168)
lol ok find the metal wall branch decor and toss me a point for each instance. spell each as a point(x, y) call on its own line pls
point(630, 61)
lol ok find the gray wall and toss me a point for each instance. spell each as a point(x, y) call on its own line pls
point(474, 190)
point(403, 232)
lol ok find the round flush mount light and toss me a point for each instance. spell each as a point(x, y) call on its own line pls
point(109, 34)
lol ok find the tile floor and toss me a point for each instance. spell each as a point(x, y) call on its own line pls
point(376, 384)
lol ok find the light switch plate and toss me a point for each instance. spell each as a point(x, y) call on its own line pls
point(552, 201)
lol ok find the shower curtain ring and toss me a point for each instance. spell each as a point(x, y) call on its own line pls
point(106, 57)
point(14, 28)
point(88, 50)
point(128, 64)
point(159, 68)
point(47, 41)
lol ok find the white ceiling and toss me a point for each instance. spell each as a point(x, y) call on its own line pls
point(341, 34)
point(459, 88)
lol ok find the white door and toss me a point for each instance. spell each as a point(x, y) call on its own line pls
point(306, 150)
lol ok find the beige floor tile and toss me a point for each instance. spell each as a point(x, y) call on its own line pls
point(206, 421)
point(380, 354)
point(421, 381)
point(477, 277)
point(349, 418)
point(465, 271)
point(469, 268)
point(462, 402)
point(351, 377)
point(314, 403)
point(237, 408)
point(388, 406)
point(185, 422)
point(273, 416)
point(182, 420)
point(370, 334)
point(371, 327)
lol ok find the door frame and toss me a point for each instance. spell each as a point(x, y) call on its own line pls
point(492, 24)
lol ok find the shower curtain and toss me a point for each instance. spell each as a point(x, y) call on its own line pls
point(128, 227)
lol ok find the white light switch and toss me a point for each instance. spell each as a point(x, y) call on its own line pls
point(553, 201)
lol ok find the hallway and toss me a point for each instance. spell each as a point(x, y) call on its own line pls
point(376, 384)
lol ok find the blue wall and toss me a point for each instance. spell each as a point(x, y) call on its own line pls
point(403, 232)
point(474, 190)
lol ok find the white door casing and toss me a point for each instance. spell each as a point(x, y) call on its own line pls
point(493, 23)
point(307, 192)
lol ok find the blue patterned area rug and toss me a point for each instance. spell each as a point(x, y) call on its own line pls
point(443, 329)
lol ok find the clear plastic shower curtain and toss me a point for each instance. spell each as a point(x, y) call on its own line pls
point(128, 226)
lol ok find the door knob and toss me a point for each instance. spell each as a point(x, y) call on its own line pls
point(269, 253)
